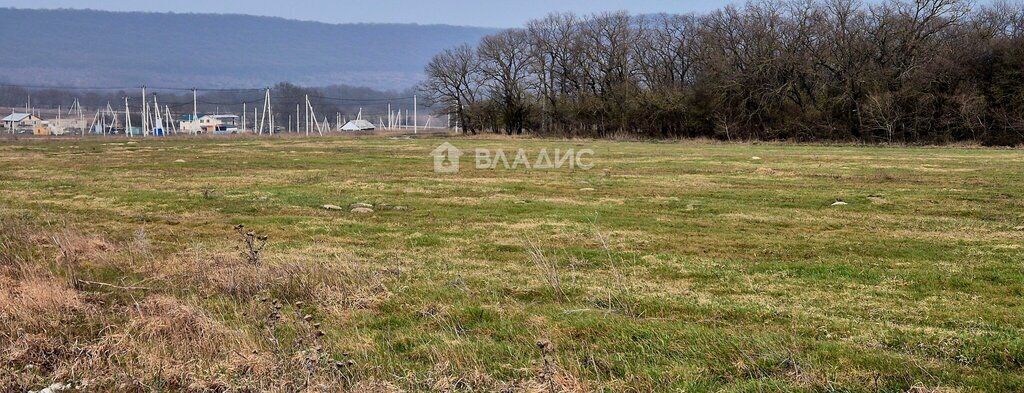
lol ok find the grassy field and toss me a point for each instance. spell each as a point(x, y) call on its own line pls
point(684, 266)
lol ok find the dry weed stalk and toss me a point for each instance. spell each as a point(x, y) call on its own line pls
point(548, 267)
point(623, 289)
point(140, 244)
point(65, 244)
point(253, 244)
point(547, 350)
point(270, 323)
point(305, 361)
point(308, 344)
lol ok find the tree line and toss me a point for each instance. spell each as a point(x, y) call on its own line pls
point(896, 71)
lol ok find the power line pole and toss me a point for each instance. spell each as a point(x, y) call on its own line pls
point(195, 112)
point(127, 118)
point(257, 120)
point(270, 107)
point(145, 112)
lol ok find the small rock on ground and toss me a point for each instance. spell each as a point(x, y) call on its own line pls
point(57, 387)
point(179, 160)
point(755, 158)
point(877, 200)
point(332, 207)
point(362, 210)
point(840, 203)
point(360, 204)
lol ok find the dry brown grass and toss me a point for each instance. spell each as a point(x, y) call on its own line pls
point(34, 315)
point(37, 304)
point(329, 280)
point(176, 344)
point(108, 336)
point(16, 252)
point(56, 333)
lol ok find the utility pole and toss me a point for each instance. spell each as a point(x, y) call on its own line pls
point(256, 121)
point(266, 106)
point(170, 120)
point(158, 125)
point(270, 107)
point(195, 112)
point(113, 118)
point(127, 118)
point(145, 113)
point(415, 112)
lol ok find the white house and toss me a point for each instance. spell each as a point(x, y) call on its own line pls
point(25, 121)
point(68, 126)
point(211, 123)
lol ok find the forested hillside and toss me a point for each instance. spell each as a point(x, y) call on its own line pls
point(90, 48)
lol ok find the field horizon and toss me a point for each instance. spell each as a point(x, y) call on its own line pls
point(348, 264)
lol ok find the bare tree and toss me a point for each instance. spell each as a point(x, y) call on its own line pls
point(453, 80)
point(505, 64)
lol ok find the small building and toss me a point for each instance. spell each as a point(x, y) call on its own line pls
point(42, 128)
point(189, 124)
point(21, 121)
point(67, 126)
point(218, 124)
point(358, 125)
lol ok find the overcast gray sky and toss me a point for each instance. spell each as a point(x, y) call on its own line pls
point(491, 13)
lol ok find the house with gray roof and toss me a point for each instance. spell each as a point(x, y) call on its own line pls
point(20, 121)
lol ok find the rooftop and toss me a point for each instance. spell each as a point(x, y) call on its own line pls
point(17, 117)
point(358, 125)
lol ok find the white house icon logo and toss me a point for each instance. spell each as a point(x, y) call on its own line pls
point(446, 158)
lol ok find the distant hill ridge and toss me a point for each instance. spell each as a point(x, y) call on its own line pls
point(88, 48)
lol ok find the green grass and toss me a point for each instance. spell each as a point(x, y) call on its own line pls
point(721, 273)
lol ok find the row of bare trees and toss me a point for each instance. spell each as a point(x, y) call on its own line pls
point(910, 71)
